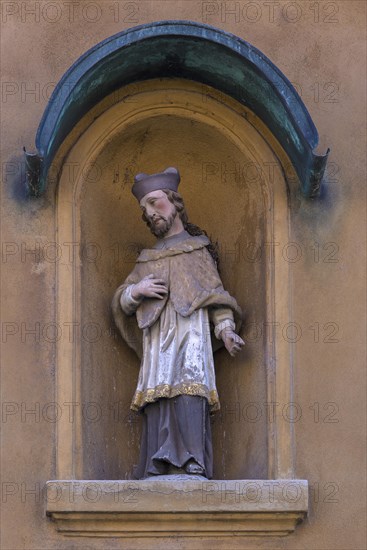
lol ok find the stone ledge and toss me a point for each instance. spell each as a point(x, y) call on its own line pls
point(187, 508)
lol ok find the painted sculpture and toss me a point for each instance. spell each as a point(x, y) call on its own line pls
point(174, 312)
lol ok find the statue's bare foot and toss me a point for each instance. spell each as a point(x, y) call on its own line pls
point(193, 467)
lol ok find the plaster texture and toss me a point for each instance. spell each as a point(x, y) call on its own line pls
point(320, 47)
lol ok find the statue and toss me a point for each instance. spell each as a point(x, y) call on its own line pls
point(173, 311)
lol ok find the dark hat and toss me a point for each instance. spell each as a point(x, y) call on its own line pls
point(145, 183)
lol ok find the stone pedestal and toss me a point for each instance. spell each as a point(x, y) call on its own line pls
point(183, 506)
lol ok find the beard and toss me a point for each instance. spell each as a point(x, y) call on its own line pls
point(163, 228)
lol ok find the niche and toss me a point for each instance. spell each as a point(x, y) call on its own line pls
point(230, 192)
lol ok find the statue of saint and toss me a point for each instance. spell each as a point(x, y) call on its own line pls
point(173, 311)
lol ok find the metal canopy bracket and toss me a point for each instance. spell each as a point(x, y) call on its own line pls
point(181, 49)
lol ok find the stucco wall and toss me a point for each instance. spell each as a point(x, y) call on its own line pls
point(320, 46)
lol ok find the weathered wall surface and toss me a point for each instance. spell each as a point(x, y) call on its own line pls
point(320, 47)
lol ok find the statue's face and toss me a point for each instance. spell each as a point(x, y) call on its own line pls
point(159, 212)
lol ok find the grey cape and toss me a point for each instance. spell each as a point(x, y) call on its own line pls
point(193, 282)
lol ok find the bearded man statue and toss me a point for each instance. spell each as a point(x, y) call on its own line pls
point(173, 311)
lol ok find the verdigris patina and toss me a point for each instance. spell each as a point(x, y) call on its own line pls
point(180, 49)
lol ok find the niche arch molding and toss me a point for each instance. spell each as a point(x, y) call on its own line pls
point(183, 511)
point(179, 49)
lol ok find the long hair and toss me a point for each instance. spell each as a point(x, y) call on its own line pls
point(191, 228)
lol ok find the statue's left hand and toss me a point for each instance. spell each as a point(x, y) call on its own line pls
point(232, 341)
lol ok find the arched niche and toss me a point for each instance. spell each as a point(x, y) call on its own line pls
point(229, 191)
point(237, 177)
point(210, 141)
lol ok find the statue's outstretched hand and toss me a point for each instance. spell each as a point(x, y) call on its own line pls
point(149, 287)
point(232, 341)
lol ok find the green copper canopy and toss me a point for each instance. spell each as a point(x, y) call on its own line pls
point(186, 50)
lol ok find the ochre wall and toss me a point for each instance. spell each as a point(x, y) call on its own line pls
point(320, 47)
